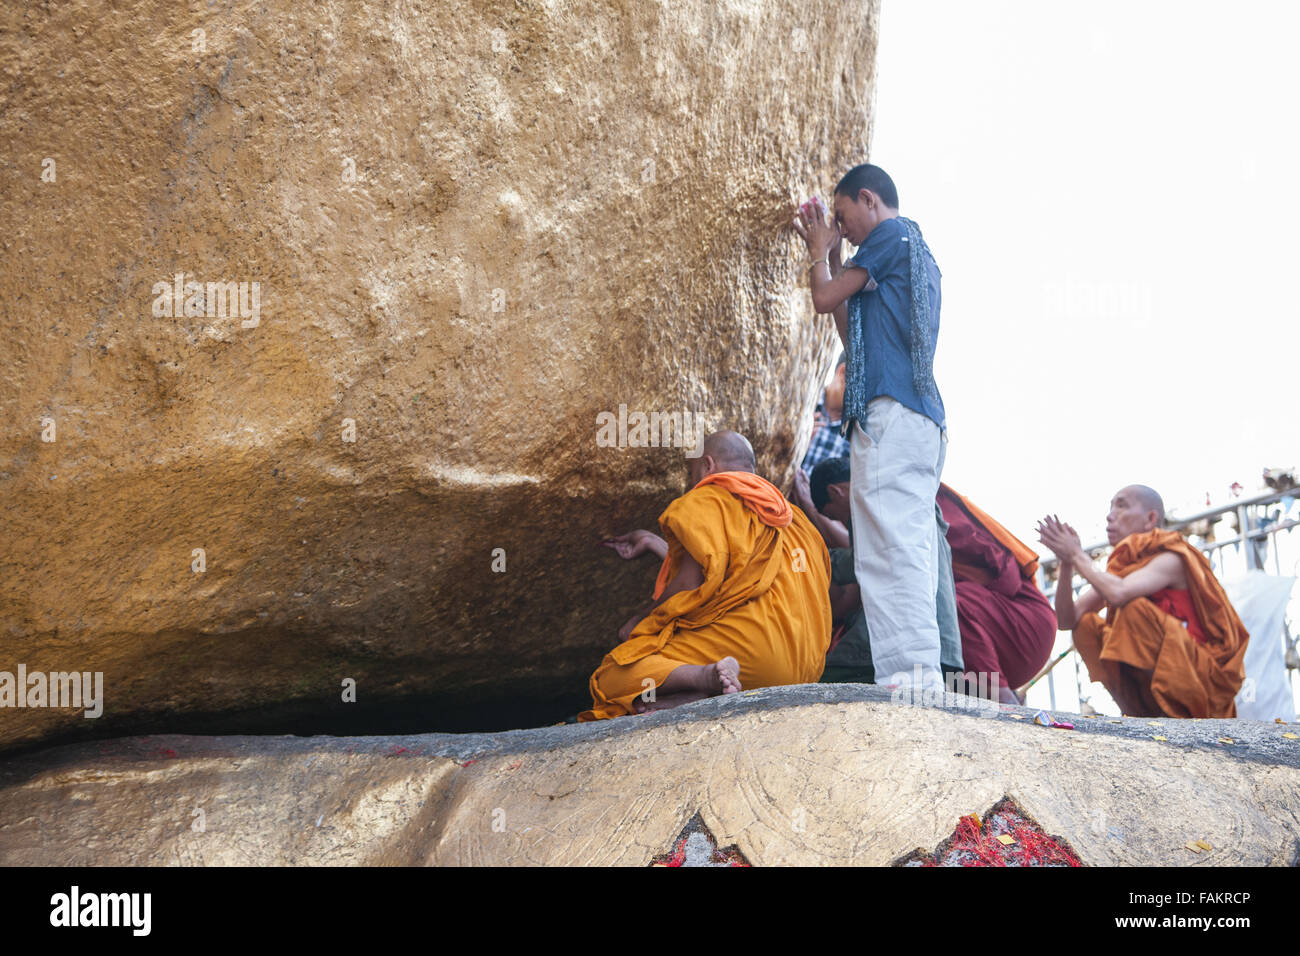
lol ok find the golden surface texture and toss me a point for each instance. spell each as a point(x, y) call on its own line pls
point(473, 228)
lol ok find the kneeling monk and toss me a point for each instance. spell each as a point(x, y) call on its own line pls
point(1007, 626)
point(1171, 644)
point(741, 599)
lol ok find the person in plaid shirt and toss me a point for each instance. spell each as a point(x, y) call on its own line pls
point(827, 442)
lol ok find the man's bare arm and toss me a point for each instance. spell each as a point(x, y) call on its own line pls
point(831, 286)
point(841, 312)
point(830, 292)
point(1065, 544)
point(1068, 610)
point(833, 533)
point(688, 577)
point(1163, 571)
point(636, 543)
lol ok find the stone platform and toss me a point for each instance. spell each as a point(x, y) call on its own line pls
point(816, 774)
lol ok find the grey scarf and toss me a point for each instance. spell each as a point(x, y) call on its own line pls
point(922, 352)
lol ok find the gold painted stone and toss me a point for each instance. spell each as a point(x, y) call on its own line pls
point(429, 246)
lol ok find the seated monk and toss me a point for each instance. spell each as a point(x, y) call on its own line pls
point(1171, 644)
point(1007, 626)
point(741, 598)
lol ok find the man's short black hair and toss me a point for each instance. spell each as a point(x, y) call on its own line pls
point(844, 357)
point(832, 471)
point(870, 177)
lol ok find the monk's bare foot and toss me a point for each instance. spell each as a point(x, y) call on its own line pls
point(691, 682)
point(727, 674)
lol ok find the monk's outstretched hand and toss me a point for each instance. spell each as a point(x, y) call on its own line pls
point(636, 543)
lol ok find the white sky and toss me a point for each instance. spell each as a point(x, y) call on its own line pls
point(1112, 192)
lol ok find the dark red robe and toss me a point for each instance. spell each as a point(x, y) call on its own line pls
point(1007, 625)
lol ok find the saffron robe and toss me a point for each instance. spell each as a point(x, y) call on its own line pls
point(1146, 657)
point(1007, 625)
point(764, 601)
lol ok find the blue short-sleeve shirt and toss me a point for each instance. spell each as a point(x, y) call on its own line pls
point(880, 327)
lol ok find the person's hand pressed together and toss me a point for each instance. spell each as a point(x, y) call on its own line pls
point(818, 232)
point(1062, 539)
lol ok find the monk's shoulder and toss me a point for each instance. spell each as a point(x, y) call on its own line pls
point(1161, 543)
point(696, 497)
point(1184, 548)
point(1140, 547)
point(709, 497)
point(707, 505)
point(1197, 571)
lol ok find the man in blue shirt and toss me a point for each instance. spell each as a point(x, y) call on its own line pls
point(885, 301)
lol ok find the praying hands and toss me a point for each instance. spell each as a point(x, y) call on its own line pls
point(1062, 539)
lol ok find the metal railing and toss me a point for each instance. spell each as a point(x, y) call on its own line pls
point(1256, 533)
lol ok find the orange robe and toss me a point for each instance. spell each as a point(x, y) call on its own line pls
point(1024, 555)
point(764, 601)
point(1187, 678)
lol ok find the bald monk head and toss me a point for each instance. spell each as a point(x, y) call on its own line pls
point(1133, 510)
point(723, 451)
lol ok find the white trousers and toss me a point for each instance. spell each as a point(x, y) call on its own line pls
point(896, 461)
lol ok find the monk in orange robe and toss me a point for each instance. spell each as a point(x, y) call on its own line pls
point(742, 598)
point(1171, 644)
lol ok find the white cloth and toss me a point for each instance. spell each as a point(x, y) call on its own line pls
point(896, 462)
point(1260, 601)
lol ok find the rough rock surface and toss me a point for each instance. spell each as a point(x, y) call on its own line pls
point(473, 227)
point(816, 774)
